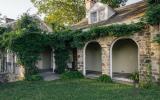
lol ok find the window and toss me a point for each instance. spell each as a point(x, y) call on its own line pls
point(93, 17)
point(101, 15)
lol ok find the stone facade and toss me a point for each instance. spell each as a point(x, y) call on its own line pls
point(148, 52)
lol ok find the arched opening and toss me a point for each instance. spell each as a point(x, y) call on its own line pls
point(124, 58)
point(93, 59)
point(45, 62)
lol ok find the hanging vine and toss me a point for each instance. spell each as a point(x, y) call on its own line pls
point(27, 40)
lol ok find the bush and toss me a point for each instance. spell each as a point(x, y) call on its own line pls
point(72, 75)
point(34, 78)
point(145, 85)
point(158, 82)
point(105, 79)
point(135, 77)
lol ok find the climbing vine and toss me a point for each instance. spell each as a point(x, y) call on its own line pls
point(27, 41)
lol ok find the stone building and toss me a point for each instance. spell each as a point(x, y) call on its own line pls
point(118, 57)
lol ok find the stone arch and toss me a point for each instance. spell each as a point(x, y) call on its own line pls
point(92, 58)
point(124, 57)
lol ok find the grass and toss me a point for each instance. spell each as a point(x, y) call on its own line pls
point(74, 90)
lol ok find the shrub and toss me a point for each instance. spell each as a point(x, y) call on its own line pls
point(158, 82)
point(34, 78)
point(105, 79)
point(72, 75)
point(135, 77)
point(145, 85)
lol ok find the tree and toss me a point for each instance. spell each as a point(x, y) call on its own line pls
point(61, 11)
point(114, 3)
point(67, 11)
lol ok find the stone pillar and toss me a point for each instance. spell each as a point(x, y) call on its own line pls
point(105, 60)
point(53, 60)
point(80, 62)
point(9, 66)
point(155, 52)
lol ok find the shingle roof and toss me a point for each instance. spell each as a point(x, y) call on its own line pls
point(130, 12)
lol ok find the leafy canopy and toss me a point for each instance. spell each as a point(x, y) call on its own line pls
point(67, 11)
point(114, 3)
point(61, 11)
point(152, 15)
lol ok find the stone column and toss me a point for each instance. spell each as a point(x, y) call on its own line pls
point(53, 60)
point(9, 66)
point(105, 60)
point(80, 63)
point(155, 52)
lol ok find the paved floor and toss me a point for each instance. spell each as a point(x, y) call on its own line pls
point(49, 76)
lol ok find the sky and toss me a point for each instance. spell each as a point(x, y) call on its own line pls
point(15, 8)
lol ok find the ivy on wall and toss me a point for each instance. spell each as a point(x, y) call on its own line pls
point(153, 15)
point(27, 41)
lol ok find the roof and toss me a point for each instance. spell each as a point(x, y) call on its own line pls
point(123, 14)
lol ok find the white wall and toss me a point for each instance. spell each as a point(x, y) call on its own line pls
point(45, 61)
point(125, 56)
point(93, 57)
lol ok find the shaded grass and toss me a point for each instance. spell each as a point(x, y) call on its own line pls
point(74, 90)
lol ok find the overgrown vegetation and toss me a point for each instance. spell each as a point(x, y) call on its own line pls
point(153, 12)
point(36, 77)
point(27, 41)
point(157, 39)
point(135, 77)
point(105, 79)
point(146, 82)
point(72, 75)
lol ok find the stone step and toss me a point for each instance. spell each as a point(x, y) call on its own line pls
point(123, 81)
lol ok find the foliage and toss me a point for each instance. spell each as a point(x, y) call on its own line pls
point(61, 11)
point(157, 39)
point(36, 77)
point(79, 37)
point(61, 56)
point(135, 77)
point(147, 78)
point(57, 27)
point(67, 11)
point(28, 24)
point(158, 81)
point(105, 79)
point(151, 2)
point(3, 30)
point(114, 3)
point(27, 41)
point(28, 47)
point(152, 15)
point(72, 75)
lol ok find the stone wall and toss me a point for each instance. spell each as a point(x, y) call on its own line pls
point(148, 52)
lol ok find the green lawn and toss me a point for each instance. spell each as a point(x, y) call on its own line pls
point(74, 90)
